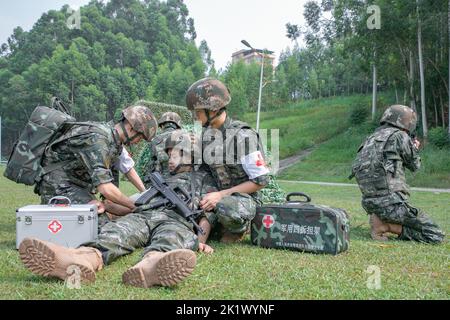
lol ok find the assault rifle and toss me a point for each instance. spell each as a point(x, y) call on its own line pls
point(170, 200)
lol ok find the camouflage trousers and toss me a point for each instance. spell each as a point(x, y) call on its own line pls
point(234, 213)
point(57, 183)
point(417, 225)
point(153, 230)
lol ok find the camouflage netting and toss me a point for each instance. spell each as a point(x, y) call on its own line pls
point(272, 193)
point(159, 109)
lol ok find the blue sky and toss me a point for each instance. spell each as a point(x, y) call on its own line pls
point(222, 23)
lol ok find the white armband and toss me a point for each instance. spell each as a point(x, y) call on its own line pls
point(254, 165)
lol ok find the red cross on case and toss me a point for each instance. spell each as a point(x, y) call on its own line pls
point(54, 226)
point(268, 221)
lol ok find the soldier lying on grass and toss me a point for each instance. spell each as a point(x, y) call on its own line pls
point(169, 240)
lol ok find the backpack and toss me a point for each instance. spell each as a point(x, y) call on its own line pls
point(45, 123)
point(369, 165)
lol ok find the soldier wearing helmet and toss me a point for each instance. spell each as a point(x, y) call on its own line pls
point(168, 239)
point(239, 175)
point(78, 163)
point(168, 123)
point(379, 169)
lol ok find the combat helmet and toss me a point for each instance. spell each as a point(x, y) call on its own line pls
point(170, 117)
point(141, 120)
point(186, 142)
point(208, 94)
point(401, 117)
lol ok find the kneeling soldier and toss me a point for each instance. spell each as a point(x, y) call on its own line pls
point(379, 169)
point(168, 238)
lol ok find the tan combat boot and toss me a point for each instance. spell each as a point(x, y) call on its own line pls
point(51, 260)
point(162, 269)
point(379, 228)
point(229, 238)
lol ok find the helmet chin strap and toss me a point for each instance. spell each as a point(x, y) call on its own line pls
point(178, 167)
point(209, 119)
point(128, 140)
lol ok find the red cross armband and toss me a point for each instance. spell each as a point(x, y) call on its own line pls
point(254, 165)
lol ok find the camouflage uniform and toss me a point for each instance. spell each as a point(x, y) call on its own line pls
point(159, 159)
point(84, 156)
point(157, 230)
point(380, 172)
point(80, 160)
point(234, 213)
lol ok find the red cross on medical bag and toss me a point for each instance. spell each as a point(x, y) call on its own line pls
point(301, 226)
point(59, 222)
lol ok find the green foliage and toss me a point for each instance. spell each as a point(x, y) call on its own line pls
point(143, 160)
point(439, 137)
point(303, 125)
point(341, 51)
point(332, 160)
point(159, 109)
point(124, 51)
point(358, 115)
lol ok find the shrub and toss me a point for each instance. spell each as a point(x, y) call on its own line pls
point(358, 115)
point(439, 137)
point(159, 108)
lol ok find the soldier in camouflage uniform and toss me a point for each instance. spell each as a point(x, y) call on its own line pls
point(234, 155)
point(169, 239)
point(379, 169)
point(78, 163)
point(168, 123)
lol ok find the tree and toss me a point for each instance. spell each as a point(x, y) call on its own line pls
point(205, 53)
point(293, 32)
point(125, 50)
point(422, 73)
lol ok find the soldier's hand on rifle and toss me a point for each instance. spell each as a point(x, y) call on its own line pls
point(417, 144)
point(203, 247)
point(210, 201)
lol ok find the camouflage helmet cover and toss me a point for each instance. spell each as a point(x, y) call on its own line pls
point(170, 117)
point(185, 141)
point(401, 117)
point(207, 94)
point(141, 120)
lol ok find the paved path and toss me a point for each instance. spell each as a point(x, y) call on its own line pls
point(355, 185)
point(289, 162)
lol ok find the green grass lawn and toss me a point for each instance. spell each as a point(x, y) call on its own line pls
point(325, 123)
point(306, 124)
point(408, 270)
point(331, 162)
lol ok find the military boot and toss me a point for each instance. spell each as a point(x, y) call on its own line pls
point(51, 260)
point(229, 237)
point(162, 269)
point(379, 228)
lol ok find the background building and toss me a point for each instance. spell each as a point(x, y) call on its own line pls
point(252, 56)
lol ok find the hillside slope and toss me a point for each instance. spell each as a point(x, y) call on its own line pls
point(325, 124)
